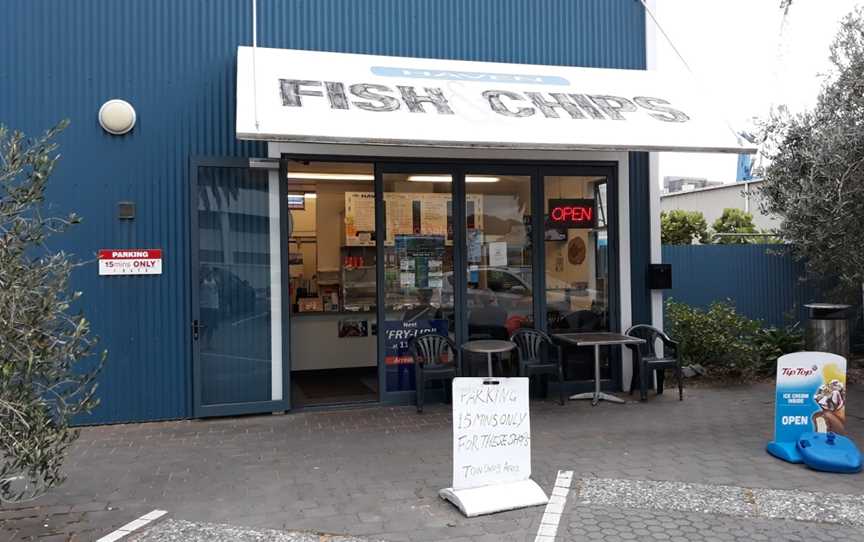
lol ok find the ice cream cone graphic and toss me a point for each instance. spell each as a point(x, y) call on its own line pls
point(831, 398)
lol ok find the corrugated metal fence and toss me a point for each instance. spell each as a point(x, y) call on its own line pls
point(763, 281)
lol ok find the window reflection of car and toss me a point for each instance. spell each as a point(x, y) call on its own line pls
point(506, 290)
point(237, 295)
point(512, 290)
point(564, 297)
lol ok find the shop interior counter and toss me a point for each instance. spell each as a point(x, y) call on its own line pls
point(333, 340)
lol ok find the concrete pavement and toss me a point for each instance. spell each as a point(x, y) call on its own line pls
point(375, 472)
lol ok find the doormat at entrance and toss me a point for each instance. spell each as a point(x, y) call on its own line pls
point(322, 386)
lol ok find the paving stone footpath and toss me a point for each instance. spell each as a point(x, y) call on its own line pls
point(187, 531)
point(374, 473)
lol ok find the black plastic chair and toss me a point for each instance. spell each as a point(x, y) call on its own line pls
point(538, 355)
point(649, 361)
point(432, 361)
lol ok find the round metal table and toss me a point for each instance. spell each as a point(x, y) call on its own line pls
point(488, 347)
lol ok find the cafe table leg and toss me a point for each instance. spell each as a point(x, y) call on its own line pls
point(596, 375)
point(596, 396)
point(600, 395)
point(588, 394)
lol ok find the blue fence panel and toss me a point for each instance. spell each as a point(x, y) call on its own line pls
point(763, 281)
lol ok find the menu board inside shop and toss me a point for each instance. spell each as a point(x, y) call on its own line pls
point(399, 216)
point(406, 214)
point(360, 219)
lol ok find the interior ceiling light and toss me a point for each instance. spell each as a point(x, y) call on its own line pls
point(448, 178)
point(310, 195)
point(331, 176)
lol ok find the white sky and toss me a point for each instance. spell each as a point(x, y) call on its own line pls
point(736, 49)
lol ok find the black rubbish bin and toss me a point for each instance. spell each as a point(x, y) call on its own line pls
point(828, 328)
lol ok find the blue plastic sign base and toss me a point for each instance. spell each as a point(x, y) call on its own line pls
point(829, 452)
point(787, 451)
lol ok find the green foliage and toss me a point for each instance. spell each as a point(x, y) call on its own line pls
point(773, 342)
point(679, 227)
point(718, 339)
point(42, 382)
point(734, 221)
point(815, 180)
point(726, 343)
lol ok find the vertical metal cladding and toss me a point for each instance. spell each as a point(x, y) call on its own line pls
point(640, 236)
point(175, 62)
point(763, 281)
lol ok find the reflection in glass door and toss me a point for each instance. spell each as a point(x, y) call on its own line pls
point(418, 267)
point(577, 263)
point(499, 255)
point(237, 331)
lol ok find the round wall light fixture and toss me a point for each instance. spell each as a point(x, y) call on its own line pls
point(117, 117)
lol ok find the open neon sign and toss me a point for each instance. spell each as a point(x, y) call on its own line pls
point(572, 213)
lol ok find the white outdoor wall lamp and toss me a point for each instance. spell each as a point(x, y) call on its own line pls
point(117, 117)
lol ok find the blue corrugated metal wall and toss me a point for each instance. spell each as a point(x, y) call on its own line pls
point(640, 237)
point(763, 281)
point(174, 61)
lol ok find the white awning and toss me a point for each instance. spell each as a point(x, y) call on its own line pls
point(320, 97)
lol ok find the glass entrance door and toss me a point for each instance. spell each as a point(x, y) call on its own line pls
point(333, 282)
point(237, 301)
point(577, 266)
point(499, 252)
point(420, 289)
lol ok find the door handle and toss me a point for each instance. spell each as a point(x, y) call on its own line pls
point(196, 329)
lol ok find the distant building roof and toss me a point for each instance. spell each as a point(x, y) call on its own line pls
point(716, 185)
point(672, 185)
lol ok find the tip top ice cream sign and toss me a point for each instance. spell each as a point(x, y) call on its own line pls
point(130, 262)
point(811, 395)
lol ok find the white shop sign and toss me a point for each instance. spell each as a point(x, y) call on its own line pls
point(323, 97)
point(134, 261)
point(492, 447)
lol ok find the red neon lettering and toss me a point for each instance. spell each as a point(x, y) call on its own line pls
point(558, 214)
point(572, 214)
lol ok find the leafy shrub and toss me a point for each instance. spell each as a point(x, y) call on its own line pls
point(727, 343)
point(773, 342)
point(46, 374)
point(734, 221)
point(719, 338)
point(679, 227)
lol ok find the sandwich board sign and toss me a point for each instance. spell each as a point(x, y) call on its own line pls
point(491, 447)
point(811, 397)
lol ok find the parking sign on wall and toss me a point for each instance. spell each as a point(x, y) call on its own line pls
point(130, 261)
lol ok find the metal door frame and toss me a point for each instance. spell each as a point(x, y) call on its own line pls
point(457, 193)
point(536, 170)
point(198, 409)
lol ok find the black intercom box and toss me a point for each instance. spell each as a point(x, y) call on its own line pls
point(659, 276)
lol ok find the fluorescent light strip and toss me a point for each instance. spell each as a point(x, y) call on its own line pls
point(448, 178)
point(331, 176)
